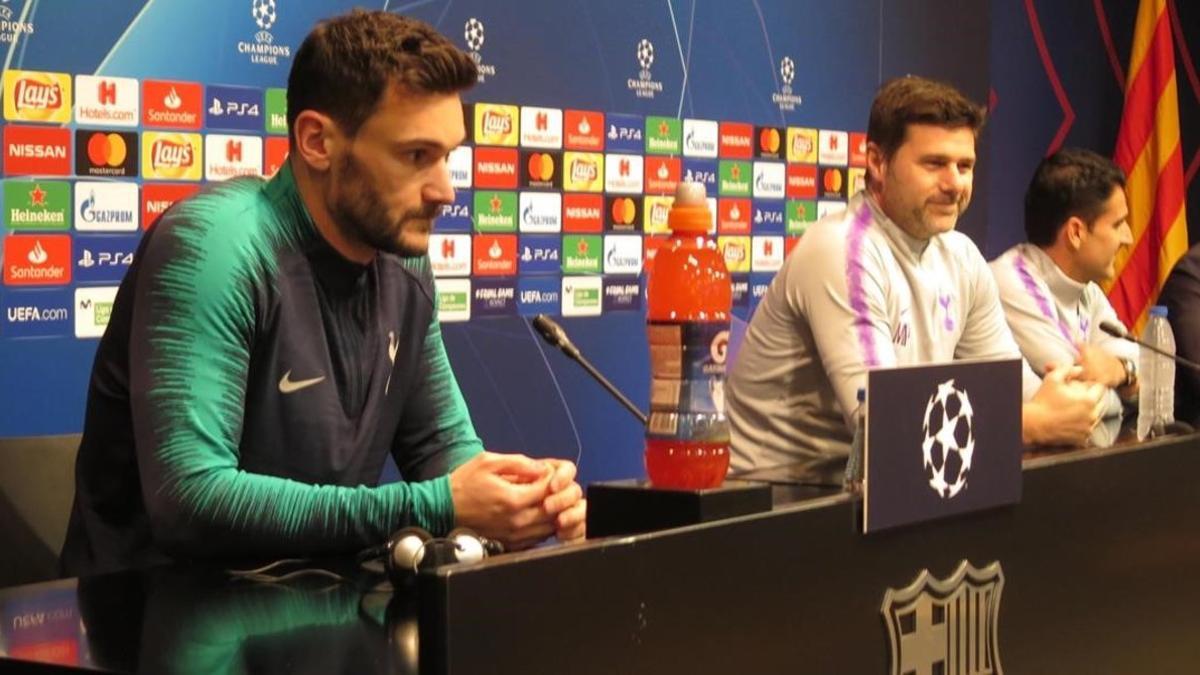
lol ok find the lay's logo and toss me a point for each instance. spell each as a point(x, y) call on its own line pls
point(496, 124)
point(584, 172)
point(37, 96)
point(171, 156)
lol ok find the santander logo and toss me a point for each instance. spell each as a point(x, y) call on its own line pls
point(37, 254)
point(172, 100)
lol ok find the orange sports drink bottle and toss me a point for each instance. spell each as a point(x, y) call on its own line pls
point(688, 297)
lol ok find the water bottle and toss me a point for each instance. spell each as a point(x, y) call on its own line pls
point(1156, 396)
point(854, 463)
point(688, 303)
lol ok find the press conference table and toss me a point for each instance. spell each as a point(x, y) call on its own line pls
point(1100, 564)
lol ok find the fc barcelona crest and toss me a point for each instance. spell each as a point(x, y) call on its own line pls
point(946, 626)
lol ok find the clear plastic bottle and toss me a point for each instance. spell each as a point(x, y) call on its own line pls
point(1156, 395)
point(854, 463)
point(688, 298)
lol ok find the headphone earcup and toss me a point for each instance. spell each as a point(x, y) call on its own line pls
point(405, 550)
point(468, 546)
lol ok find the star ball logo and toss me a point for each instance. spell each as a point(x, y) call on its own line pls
point(474, 35)
point(644, 86)
point(784, 98)
point(949, 444)
point(263, 50)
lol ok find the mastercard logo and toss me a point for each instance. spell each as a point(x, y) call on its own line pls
point(833, 180)
point(541, 166)
point(623, 211)
point(107, 149)
point(769, 140)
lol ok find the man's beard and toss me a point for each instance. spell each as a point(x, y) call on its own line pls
point(358, 210)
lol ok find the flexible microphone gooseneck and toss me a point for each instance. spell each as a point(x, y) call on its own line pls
point(553, 333)
point(1119, 331)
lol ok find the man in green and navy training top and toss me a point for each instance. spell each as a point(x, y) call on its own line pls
point(274, 342)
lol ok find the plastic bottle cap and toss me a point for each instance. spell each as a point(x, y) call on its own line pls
point(690, 193)
point(689, 212)
point(1159, 310)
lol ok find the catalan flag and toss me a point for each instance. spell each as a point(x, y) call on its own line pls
point(1149, 151)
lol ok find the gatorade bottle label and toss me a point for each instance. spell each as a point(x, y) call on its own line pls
point(687, 366)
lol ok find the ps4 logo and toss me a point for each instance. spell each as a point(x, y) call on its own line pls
point(624, 133)
point(531, 254)
point(762, 216)
point(105, 259)
point(235, 108)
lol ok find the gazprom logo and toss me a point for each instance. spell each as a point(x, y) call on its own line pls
point(541, 211)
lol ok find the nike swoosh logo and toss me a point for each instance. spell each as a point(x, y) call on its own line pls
point(288, 386)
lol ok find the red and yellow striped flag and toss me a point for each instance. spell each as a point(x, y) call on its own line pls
point(1149, 151)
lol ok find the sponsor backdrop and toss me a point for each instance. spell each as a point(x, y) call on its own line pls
point(585, 118)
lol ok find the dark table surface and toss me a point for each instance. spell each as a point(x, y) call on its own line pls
point(1100, 559)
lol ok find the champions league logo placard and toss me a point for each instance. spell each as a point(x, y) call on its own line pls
point(949, 443)
point(943, 451)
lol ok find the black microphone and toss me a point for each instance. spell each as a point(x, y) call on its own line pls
point(554, 334)
point(1118, 331)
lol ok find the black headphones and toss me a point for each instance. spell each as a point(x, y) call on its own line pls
point(413, 549)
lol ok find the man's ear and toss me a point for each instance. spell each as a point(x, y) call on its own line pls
point(876, 162)
point(316, 138)
point(1073, 231)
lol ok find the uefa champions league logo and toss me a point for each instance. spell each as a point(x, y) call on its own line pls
point(263, 12)
point(784, 98)
point(645, 86)
point(949, 443)
point(473, 34)
point(645, 56)
point(787, 70)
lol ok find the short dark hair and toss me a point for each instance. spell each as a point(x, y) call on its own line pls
point(346, 63)
point(1071, 182)
point(917, 100)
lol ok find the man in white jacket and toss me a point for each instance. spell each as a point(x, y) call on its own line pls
point(1076, 220)
point(886, 283)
